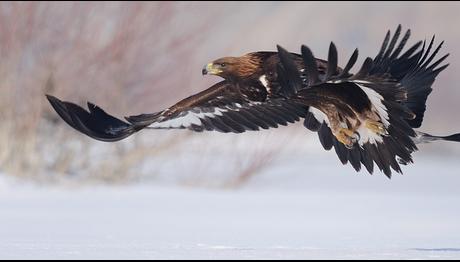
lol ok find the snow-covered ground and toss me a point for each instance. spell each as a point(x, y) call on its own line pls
point(151, 222)
point(301, 208)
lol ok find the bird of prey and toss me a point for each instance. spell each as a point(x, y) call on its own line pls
point(368, 117)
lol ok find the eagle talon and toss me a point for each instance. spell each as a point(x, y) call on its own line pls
point(355, 138)
point(347, 137)
point(375, 126)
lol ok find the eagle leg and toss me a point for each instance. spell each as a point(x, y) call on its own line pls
point(375, 126)
point(348, 137)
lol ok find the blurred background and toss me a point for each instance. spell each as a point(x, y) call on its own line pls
point(138, 57)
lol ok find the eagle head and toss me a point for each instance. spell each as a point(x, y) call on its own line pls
point(235, 68)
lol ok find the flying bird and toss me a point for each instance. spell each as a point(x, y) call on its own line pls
point(368, 117)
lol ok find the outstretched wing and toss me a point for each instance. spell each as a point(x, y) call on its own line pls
point(416, 69)
point(395, 89)
point(221, 108)
point(224, 109)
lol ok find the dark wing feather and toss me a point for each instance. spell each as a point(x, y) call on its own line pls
point(331, 62)
point(415, 70)
point(311, 122)
point(311, 69)
point(351, 62)
point(213, 110)
point(418, 81)
point(326, 137)
point(94, 123)
point(289, 75)
point(365, 69)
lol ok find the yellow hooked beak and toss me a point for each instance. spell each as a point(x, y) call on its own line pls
point(211, 69)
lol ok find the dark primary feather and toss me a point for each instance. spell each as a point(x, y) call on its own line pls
point(95, 123)
point(392, 43)
point(310, 66)
point(365, 69)
point(311, 122)
point(331, 62)
point(351, 62)
point(384, 46)
point(326, 137)
point(289, 75)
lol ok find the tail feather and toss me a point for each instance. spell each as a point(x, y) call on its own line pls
point(454, 138)
point(426, 138)
point(94, 123)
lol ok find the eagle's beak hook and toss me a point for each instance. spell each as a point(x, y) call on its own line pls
point(211, 69)
point(204, 71)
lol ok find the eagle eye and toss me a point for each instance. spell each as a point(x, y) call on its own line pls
point(222, 65)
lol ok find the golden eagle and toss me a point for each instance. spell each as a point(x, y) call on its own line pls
point(367, 117)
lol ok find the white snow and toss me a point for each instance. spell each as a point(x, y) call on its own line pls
point(301, 208)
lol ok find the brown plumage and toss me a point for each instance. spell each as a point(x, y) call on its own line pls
point(368, 117)
point(240, 68)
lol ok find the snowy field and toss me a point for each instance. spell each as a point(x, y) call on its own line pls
point(325, 212)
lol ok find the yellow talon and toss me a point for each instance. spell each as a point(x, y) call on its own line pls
point(347, 132)
point(375, 126)
point(346, 137)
